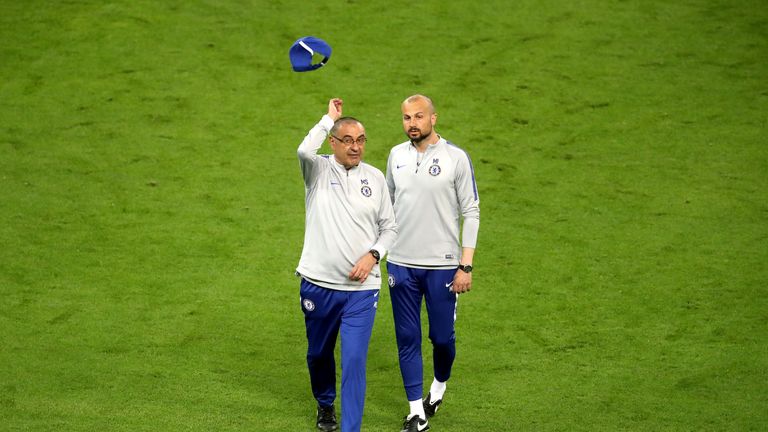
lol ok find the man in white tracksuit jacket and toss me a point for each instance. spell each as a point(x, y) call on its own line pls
point(432, 185)
point(349, 227)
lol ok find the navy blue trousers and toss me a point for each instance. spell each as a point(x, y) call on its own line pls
point(407, 287)
point(327, 313)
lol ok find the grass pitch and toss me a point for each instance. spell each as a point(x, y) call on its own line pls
point(152, 209)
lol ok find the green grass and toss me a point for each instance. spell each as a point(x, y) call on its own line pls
point(152, 209)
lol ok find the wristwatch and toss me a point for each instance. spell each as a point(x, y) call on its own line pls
point(465, 268)
point(375, 254)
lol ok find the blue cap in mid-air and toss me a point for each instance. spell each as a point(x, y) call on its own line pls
point(304, 49)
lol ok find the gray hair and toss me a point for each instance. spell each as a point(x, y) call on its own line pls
point(344, 121)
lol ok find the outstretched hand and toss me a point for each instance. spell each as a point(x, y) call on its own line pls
point(334, 108)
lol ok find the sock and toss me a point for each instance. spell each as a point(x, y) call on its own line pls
point(436, 391)
point(417, 409)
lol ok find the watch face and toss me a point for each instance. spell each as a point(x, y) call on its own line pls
point(466, 268)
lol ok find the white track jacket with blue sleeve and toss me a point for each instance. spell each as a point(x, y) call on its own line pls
point(433, 193)
point(348, 213)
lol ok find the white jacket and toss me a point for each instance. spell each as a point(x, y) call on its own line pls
point(431, 192)
point(348, 213)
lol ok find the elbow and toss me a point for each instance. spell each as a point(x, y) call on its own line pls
point(471, 213)
point(303, 153)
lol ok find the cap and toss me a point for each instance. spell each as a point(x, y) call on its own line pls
point(303, 49)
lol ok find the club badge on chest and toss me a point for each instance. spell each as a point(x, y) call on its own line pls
point(434, 169)
point(365, 189)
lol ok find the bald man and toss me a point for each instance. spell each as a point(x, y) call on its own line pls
point(432, 185)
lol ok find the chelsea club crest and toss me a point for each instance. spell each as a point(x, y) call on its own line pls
point(365, 190)
point(308, 304)
point(435, 168)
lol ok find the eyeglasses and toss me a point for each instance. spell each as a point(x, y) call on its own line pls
point(348, 140)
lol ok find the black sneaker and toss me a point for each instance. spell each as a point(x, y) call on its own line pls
point(431, 408)
point(326, 419)
point(415, 424)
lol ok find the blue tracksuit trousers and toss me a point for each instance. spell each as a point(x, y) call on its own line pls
point(327, 313)
point(407, 287)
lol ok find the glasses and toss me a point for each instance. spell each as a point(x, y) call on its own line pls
point(348, 140)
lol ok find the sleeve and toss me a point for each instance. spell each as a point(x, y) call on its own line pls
point(390, 178)
point(307, 152)
point(469, 201)
point(387, 224)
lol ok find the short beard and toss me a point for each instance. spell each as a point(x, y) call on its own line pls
point(419, 138)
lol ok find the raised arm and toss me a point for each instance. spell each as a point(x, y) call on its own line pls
point(307, 151)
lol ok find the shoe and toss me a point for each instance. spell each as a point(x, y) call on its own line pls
point(431, 408)
point(415, 424)
point(326, 419)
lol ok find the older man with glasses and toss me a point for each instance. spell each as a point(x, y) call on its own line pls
point(349, 227)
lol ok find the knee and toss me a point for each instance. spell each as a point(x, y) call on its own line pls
point(318, 357)
point(408, 337)
point(446, 341)
point(355, 360)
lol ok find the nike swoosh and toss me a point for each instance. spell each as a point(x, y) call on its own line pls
point(448, 285)
point(422, 426)
point(400, 166)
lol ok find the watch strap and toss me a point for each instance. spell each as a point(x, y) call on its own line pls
point(375, 254)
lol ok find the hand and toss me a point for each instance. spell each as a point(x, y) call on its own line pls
point(334, 108)
point(462, 282)
point(362, 268)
